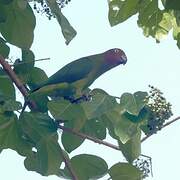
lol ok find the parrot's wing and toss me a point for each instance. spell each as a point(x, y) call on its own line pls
point(72, 72)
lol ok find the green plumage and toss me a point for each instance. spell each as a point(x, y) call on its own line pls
point(81, 73)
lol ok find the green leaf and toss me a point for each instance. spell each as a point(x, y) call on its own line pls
point(47, 159)
point(124, 129)
point(121, 10)
point(18, 28)
point(7, 90)
point(132, 148)
point(67, 30)
point(37, 125)
point(11, 135)
point(100, 103)
point(36, 76)
point(95, 128)
point(133, 103)
point(88, 166)
point(48, 154)
point(172, 4)
point(153, 21)
point(27, 63)
point(124, 171)
point(70, 142)
point(4, 49)
point(64, 110)
point(11, 105)
point(5, 2)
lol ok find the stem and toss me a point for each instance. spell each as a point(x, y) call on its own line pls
point(68, 165)
point(7, 68)
point(44, 59)
point(84, 136)
point(165, 125)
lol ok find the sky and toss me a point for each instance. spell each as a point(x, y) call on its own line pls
point(148, 63)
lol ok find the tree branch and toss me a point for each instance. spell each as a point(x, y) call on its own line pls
point(68, 165)
point(165, 125)
point(7, 68)
point(85, 136)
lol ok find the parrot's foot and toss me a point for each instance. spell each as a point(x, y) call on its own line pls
point(81, 99)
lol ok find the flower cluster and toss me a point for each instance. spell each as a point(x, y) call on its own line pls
point(160, 110)
point(41, 6)
point(144, 164)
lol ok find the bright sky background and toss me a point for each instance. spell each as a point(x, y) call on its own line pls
point(148, 63)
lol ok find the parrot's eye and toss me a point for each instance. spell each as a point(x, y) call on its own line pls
point(116, 50)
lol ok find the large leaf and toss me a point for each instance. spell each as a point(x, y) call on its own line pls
point(121, 10)
point(64, 110)
point(27, 63)
point(70, 141)
point(100, 103)
point(47, 159)
point(88, 166)
point(132, 148)
point(124, 129)
point(124, 171)
point(67, 30)
point(172, 4)
point(7, 90)
point(11, 135)
point(18, 26)
point(153, 21)
point(133, 103)
point(4, 49)
point(37, 125)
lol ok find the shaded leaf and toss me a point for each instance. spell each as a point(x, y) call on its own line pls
point(67, 30)
point(19, 25)
point(11, 135)
point(88, 166)
point(7, 89)
point(133, 103)
point(121, 10)
point(64, 110)
point(27, 63)
point(47, 159)
point(172, 4)
point(37, 125)
point(124, 171)
point(48, 155)
point(70, 141)
point(153, 21)
point(4, 49)
point(124, 129)
point(132, 148)
point(11, 105)
point(100, 103)
point(95, 128)
point(5, 2)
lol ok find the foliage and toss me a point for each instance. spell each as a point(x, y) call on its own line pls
point(155, 17)
point(34, 133)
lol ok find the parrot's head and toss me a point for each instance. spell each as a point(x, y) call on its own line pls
point(115, 57)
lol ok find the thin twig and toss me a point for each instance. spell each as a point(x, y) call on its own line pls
point(165, 125)
point(68, 165)
point(7, 68)
point(25, 62)
point(85, 136)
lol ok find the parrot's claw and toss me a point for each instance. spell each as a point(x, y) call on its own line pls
point(81, 99)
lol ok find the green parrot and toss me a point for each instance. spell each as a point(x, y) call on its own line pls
point(74, 78)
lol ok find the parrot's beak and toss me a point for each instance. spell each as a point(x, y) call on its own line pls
point(124, 59)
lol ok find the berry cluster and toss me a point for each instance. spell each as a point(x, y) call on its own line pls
point(40, 6)
point(144, 164)
point(160, 110)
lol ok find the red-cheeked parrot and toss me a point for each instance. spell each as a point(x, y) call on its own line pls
point(80, 74)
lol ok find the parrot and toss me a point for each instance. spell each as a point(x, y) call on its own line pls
point(78, 75)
